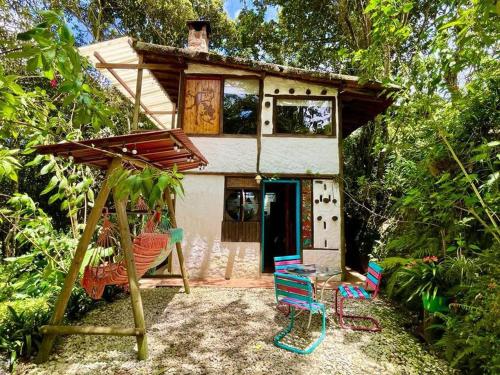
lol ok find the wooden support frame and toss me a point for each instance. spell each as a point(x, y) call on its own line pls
point(91, 330)
point(180, 255)
point(135, 295)
point(138, 92)
point(55, 328)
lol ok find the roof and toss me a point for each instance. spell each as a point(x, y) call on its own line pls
point(155, 100)
point(160, 148)
point(361, 100)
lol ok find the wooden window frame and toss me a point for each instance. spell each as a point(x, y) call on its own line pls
point(330, 98)
point(236, 229)
point(222, 78)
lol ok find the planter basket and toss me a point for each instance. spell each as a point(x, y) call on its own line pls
point(434, 303)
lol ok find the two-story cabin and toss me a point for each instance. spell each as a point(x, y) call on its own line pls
point(272, 136)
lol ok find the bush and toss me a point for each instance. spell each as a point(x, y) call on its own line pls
point(19, 322)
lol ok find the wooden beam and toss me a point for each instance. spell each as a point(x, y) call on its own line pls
point(173, 115)
point(161, 112)
point(140, 66)
point(91, 330)
point(138, 91)
point(76, 263)
point(135, 295)
point(126, 87)
point(171, 213)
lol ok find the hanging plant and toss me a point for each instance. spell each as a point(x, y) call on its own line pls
point(149, 184)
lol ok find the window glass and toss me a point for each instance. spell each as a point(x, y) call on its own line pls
point(242, 205)
point(304, 116)
point(241, 104)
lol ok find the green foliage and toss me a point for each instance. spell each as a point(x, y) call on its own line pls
point(149, 182)
point(19, 322)
point(9, 164)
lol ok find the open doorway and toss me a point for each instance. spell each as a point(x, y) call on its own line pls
point(280, 221)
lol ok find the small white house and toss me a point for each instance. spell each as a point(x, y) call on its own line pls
point(272, 136)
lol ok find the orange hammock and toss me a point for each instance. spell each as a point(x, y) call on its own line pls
point(147, 247)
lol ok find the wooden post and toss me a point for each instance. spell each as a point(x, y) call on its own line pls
point(138, 90)
point(341, 187)
point(171, 214)
point(135, 295)
point(174, 108)
point(76, 263)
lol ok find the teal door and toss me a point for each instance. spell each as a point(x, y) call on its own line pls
point(280, 221)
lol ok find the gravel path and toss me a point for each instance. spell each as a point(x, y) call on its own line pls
point(230, 331)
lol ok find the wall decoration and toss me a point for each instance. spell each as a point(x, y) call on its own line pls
point(326, 227)
point(202, 106)
point(306, 223)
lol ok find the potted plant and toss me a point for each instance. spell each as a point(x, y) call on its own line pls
point(425, 278)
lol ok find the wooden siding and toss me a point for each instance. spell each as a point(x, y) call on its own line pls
point(202, 106)
point(237, 231)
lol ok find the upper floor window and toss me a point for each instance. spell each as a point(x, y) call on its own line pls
point(304, 116)
point(241, 106)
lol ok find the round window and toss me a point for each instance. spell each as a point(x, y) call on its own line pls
point(242, 205)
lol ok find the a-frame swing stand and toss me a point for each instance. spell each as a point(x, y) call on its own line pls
point(55, 328)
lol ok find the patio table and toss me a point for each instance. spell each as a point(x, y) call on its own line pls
point(317, 272)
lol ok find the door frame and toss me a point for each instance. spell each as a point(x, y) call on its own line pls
point(297, 216)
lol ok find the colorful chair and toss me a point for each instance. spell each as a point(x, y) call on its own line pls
point(281, 263)
point(297, 293)
point(344, 292)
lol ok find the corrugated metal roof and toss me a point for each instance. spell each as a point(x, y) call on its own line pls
point(153, 96)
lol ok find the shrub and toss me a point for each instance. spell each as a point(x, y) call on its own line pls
point(19, 322)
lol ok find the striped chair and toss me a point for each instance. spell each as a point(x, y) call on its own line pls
point(297, 292)
point(281, 263)
point(343, 292)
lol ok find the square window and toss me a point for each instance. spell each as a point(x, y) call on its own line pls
point(305, 116)
point(241, 106)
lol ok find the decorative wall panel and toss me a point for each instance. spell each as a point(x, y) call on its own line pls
point(307, 223)
point(326, 214)
point(202, 102)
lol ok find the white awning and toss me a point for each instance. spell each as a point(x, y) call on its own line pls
point(154, 99)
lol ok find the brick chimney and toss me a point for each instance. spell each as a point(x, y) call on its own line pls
point(198, 37)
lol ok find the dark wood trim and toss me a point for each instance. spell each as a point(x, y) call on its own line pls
point(259, 122)
point(203, 76)
point(226, 76)
point(312, 97)
point(180, 100)
point(221, 108)
point(341, 190)
point(279, 175)
point(250, 136)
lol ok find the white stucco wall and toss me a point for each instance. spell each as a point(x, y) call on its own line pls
point(228, 155)
point(299, 155)
point(200, 214)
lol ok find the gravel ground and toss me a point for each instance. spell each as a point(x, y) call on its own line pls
point(230, 331)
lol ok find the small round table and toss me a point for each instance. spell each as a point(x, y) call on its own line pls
point(316, 271)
